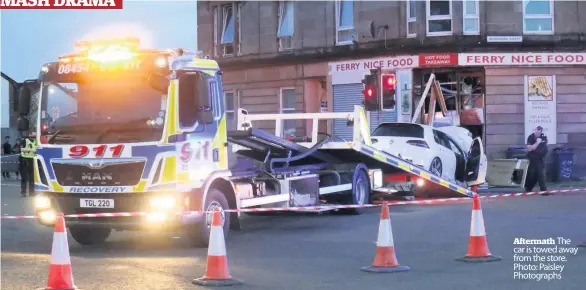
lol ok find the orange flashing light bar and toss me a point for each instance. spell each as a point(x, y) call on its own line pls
point(104, 51)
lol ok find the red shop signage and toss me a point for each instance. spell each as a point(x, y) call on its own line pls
point(438, 59)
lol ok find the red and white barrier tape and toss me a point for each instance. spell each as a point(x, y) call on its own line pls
point(318, 208)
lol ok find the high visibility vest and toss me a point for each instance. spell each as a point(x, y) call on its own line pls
point(29, 145)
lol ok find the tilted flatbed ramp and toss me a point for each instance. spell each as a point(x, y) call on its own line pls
point(358, 150)
point(277, 153)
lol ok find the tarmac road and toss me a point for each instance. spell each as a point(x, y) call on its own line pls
point(312, 252)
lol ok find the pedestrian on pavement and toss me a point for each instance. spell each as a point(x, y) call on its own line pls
point(6, 149)
point(16, 150)
point(28, 153)
point(537, 150)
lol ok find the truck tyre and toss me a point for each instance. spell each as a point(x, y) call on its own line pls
point(90, 236)
point(200, 235)
point(360, 193)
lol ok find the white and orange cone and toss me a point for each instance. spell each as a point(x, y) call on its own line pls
point(60, 274)
point(385, 260)
point(217, 273)
point(478, 245)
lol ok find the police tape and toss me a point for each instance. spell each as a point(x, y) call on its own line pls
point(316, 208)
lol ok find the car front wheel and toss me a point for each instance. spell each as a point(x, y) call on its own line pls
point(436, 167)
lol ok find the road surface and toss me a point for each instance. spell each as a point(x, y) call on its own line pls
point(312, 252)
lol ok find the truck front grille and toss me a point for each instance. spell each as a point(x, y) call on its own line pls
point(96, 172)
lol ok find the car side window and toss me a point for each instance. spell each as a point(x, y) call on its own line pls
point(454, 147)
point(441, 139)
point(437, 138)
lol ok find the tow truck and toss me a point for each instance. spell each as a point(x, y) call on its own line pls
point(124, 129)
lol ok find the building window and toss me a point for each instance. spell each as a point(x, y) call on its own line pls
point(286, 28)
point(538, 17)
point(411, 18)
point(344, 22)
point(439, 17)
point(229, 103)
point(288, 102)
point(230, 32)
point(471, 17)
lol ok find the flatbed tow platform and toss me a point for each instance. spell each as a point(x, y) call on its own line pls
point(280, 155)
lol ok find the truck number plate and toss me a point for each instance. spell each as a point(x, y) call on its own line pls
point(97, 203)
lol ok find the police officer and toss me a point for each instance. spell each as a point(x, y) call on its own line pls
point(537, 149)
point(27, 154)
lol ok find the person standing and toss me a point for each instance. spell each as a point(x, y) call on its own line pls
point(16, 150)
point(6, 150)
point(28, 153)
point(537, 149)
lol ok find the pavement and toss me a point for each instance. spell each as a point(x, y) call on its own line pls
point(312, 251)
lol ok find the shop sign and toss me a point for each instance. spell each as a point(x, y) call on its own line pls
point(540, 106)
point(407, 61)
point(487, 59)
point(438, 59)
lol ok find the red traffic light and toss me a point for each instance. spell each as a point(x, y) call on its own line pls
point(369, 92)
point(389, 81)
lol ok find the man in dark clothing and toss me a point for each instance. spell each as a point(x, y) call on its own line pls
point(537, 149)
point(6, 149)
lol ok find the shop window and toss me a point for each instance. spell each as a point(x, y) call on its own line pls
point(344, 22)
point(471, 17)
point(286, 28)
point(288, 104)
point(411, 18)
point(538, 17)
point(439, 17)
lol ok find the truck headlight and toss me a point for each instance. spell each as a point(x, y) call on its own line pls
point(42, 202)
point(47, 216)
point(163, 203)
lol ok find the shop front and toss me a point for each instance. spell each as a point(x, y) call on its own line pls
point(500, 97)
point(346, 78)
point(526, 90)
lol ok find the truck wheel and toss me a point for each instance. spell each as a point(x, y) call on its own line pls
point(360, 193)
point(90, 236)
point(200, 235)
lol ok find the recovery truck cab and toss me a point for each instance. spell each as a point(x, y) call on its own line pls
point(129, 130)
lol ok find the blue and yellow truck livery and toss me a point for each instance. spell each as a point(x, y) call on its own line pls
point(126, 129)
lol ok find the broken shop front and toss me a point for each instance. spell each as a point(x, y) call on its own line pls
point(462, 89)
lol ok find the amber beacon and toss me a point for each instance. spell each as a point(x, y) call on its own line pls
point(61, 4)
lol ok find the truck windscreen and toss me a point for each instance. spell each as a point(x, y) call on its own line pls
point(101, 108)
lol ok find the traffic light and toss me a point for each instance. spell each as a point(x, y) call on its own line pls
point(371, 102)
point(388, 88)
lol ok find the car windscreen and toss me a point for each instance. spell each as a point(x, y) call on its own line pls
point(399, 130)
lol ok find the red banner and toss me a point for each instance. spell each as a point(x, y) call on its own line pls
point(438, 59)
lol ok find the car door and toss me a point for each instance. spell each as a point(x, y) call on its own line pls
point(476, 164)
point(446, 155)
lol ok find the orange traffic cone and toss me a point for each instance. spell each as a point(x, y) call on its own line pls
point(385, 260)
point(478, 245)
point(217, 273)
point(60, 275)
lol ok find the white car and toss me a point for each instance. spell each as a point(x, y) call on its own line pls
point(448, 152)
